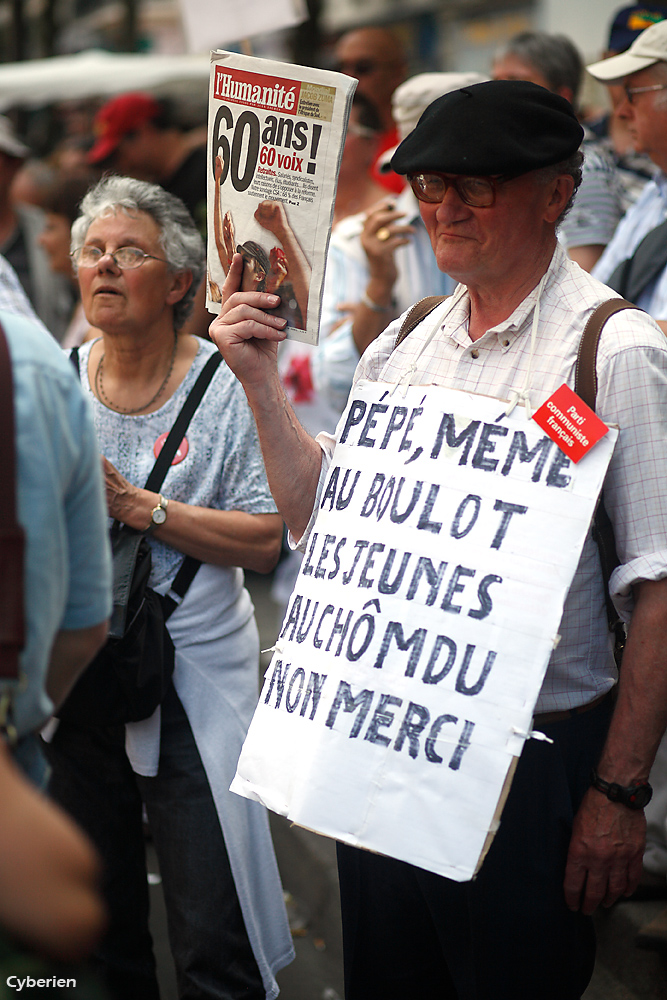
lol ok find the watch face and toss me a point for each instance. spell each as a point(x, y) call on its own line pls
point(159, 515)
point(640, 797)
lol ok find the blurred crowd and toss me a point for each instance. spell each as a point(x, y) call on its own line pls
point(379, 263)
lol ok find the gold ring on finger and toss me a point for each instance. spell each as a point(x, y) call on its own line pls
point(383, 234)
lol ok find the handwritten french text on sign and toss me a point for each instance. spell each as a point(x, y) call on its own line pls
point(570, 423)
point(421, 625)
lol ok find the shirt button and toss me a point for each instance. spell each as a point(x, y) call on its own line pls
point(506, 343)
point(474, 354)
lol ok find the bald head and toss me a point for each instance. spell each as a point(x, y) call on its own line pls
point(376, 58)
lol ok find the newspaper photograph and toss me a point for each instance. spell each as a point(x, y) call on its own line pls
point(275, 139)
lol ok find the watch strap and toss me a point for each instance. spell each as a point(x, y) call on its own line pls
point(634, 796)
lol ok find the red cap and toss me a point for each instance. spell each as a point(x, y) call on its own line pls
point(117, 118)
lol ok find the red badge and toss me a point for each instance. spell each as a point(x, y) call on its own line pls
point(570, 423)
point(181, 451)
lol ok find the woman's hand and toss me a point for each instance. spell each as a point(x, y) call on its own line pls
point(218, 537)
point(122, 496)
point(246, 335)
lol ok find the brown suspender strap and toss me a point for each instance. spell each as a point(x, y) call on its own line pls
point(585, 379)
point(12, 538)
point(419, 311)
point(585, 385)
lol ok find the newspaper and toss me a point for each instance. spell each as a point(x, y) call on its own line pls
point(275, 140)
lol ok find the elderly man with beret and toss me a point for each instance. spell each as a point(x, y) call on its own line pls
point(494, 166)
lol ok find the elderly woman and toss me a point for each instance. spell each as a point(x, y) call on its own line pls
point(139, 259)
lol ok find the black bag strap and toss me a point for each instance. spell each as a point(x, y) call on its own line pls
point(633, 275)
point(181, 424)
point(190, 565)
point(74, 358)
point(12, 536)
point(585, 385)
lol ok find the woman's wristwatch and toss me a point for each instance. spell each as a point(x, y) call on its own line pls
point(634, 796)
point(158, 514)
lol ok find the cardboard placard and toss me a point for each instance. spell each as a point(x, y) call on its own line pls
point(416, 640)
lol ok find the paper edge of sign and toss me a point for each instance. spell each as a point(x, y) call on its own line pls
point(495, 822)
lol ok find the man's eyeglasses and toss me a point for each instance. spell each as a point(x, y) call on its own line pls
point(479, 192)
point(631, 91)
point(125, 258)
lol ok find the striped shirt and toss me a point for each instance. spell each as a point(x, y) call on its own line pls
point(632, 392)
point(598, 205)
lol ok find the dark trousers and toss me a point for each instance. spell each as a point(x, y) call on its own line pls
point(508, 934)
point(92, 779)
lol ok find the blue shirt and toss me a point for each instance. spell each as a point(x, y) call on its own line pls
point(60, 504)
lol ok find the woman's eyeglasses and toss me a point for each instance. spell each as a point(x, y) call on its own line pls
point(125, 258)
point(478, 192)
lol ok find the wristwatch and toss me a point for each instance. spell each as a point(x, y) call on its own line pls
point(634, 796)
point(158, 514)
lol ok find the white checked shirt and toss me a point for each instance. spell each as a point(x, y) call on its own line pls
point(632, 392)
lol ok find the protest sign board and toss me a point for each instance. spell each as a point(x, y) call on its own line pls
point(275, 140)
point(420, 628)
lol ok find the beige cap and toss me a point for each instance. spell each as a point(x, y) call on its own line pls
point(411, 99)
point(648, 48)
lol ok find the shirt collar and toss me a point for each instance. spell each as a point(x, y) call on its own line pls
point(516, 324)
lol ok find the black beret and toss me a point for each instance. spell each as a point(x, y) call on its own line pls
point(497, 127)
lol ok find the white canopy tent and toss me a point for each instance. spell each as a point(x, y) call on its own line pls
point(96, 73)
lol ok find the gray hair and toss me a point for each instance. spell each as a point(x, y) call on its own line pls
point(181, 243)
point(572, 166)
point(554, 56)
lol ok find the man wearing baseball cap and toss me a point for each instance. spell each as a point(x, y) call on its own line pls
point(138, 135)
point(494, 166)
point(640, 273)
point(633, 169)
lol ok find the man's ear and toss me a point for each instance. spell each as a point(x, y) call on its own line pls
point(560, 193)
